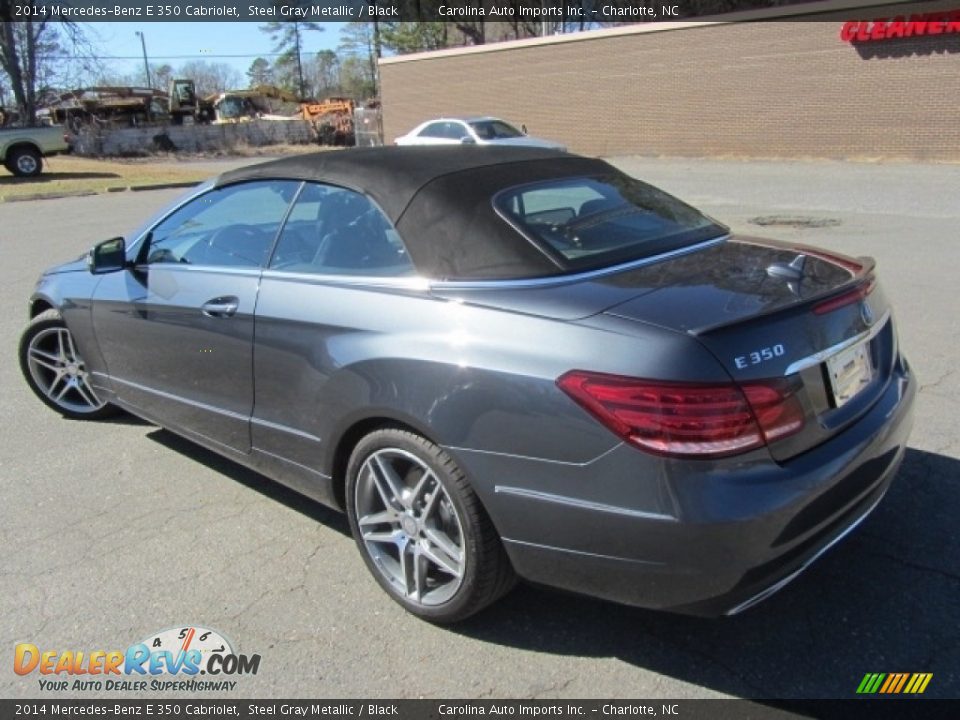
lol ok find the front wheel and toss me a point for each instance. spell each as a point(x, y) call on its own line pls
point(55, 372)
point(25, 162)
point(421, 529)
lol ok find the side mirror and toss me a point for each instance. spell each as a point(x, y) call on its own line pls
point(523, 129)
point(467, 140)
point(108, 256)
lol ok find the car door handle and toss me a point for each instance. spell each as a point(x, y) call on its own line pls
point(221, 307)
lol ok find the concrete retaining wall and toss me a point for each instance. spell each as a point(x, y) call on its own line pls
point(192, 138)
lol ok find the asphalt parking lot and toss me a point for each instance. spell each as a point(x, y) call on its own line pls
point(115, 530)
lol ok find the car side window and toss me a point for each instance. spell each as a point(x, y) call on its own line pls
point(233, 226)
point(335, 231)
point(456, 131)
point(434, 130)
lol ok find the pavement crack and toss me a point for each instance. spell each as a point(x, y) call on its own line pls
point(926, 387)
point(915, 566)
point(553, 688)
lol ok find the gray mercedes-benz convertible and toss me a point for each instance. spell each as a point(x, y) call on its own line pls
point(499, 362)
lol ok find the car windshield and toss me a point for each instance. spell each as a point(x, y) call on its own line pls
point(596, 221)
point(494, 130)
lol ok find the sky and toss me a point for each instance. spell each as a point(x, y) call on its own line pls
point(177, 43)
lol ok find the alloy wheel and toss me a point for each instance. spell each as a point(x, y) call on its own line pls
point(410, 527)
point(59, 372)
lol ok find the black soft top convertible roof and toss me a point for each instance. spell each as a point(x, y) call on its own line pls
point(439, 199)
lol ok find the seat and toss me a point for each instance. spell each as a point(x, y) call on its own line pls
point(599, 205)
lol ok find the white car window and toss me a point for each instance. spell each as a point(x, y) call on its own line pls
point(436, 130)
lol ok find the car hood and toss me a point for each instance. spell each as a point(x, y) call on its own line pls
point(78, 265)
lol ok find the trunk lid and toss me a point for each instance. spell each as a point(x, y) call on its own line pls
point(761, 307)
point(752, 303)
point(773, 310)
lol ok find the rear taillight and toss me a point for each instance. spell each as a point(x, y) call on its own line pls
point(688, 420)
point(847, 298)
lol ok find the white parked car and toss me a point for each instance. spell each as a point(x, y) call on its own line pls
point(473, 131)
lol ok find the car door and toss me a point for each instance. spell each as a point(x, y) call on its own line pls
point(176, 330)
point(327, 297)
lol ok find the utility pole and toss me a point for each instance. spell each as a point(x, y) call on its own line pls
point(296, 35)
point(146, 65)
point(146, 69)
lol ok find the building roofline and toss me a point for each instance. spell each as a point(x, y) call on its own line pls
point(815, 7)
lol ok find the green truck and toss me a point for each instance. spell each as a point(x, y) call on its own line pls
point(22, 149)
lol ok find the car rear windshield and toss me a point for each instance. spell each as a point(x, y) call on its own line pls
point(591, 222)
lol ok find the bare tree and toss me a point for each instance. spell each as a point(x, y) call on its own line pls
point(36, 53)
point(162, 75)
point(211, 78)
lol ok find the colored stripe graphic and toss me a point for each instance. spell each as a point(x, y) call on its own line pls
point(894, 683)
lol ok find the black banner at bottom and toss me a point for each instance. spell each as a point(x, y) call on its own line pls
point(734, 709)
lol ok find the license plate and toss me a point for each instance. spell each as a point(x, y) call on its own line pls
point(850, 371)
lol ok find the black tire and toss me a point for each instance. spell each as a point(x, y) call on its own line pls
point(73, 404)
point(486, 571)
point(24, 162)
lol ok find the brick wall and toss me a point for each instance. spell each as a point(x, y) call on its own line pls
point(763, 89)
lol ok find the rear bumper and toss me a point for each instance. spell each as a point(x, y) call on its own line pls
point(698, 538)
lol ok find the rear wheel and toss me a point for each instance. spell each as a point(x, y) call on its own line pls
point(421, 529)
point(24, 162)
point(55, 371)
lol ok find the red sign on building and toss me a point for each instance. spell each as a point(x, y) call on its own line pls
point(902, 26)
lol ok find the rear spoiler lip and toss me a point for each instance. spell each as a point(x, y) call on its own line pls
point(867, 267)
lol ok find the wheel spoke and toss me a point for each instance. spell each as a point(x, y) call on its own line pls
point(431, 503)
point(384, 471)
point(51, 389)
point(442, 541)
point(440, 559)
point(44, 360)
point(381, 537)
point(406, 569)
point(421, 486)
point(380, 518)
point(419, 573)
point(87, 394)
point(62, 344)
point(382, 489)
point(71, 350)
point(38, 353)
point(66, 387)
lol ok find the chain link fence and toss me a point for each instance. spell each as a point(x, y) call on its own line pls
point(368, 126)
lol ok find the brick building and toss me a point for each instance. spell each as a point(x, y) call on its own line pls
point(792, 87)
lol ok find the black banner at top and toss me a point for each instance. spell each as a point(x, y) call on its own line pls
point(570, 11)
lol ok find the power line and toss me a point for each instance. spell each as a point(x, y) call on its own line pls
point(163, 57)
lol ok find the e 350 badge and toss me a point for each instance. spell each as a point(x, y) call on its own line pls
point(180, 652)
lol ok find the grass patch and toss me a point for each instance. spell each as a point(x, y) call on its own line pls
point(64, 174)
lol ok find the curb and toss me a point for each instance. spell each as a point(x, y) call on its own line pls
point(48, 196)
point(85, 193)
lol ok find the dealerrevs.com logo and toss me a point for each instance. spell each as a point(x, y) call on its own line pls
point(170, 660)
